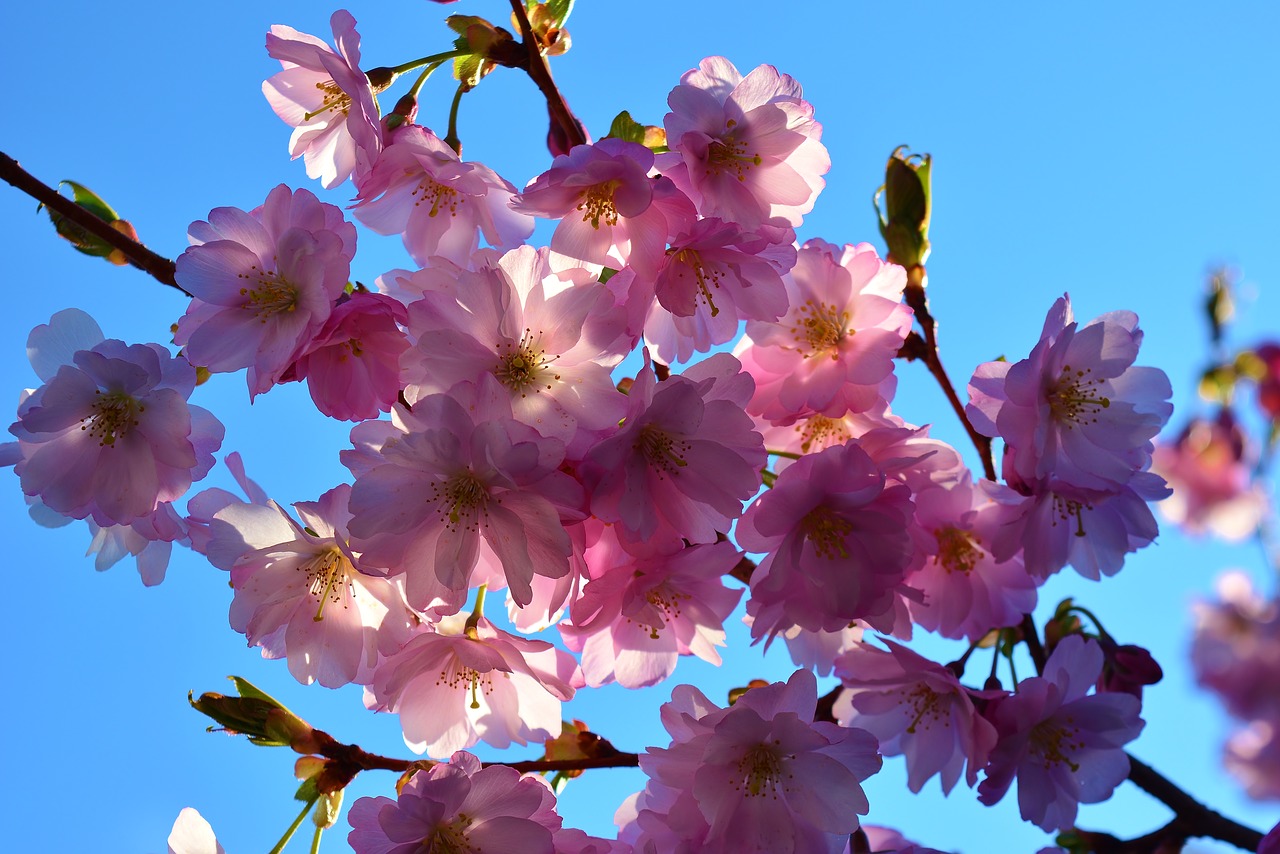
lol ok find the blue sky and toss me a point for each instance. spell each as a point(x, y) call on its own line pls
point(1113, 151)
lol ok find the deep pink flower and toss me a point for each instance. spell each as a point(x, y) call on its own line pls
point(327, 99)
point(1064, 747)
point(611, 212)
point(837, 541)
point(744, 149)
point(110, 434)
point(352, 366)
point(1076, 409)
point(915, 708)
point(1209, 467)
point(420, 188)
point(833, 351)
point(458, 806)
point(457, 685)
point(263, 282)
point(686, 458)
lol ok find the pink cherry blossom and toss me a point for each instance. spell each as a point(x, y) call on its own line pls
point(837, 542)
point(421, 189)
point(263, 282)
point(463, 477)
point(300, 595)
point(744, 149)
point(327, 99)
point(1077, 408)
point(1252, 756)
point(149, 539)
point(1236, 648)
point(352, 366)
point(110, 434)
point(763, 775)
point(686, 458)
point(458, 806)
point(1064, 748)
point(833, 351)
point(915, 708)
point(460, 684)
point(611, 212)
point(637, 615)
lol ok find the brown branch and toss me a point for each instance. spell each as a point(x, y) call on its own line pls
point(919, 303)
point(540, 74)
point(160, 268)
point(1193, 817)
point(617, 760)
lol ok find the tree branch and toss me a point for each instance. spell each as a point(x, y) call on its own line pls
point(157, 266)
point(536, 68)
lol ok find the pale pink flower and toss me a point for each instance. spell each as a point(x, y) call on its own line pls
point(885, 840)
point(836, 535)
point(833, 351)
point(263, 282)
point(327, 99)
point(460, 684)
point(744, 149)
point(1064, 747)
point(611, 212)
point(300, 595)
point(916, 708)
point(352, 366)
point(1209, 467)
point(149, 539)
point(1252, 756)
point(683, 462)
point(967, 591)
point(204, 505)
point(1236, 648)
point(191, 834)
point(570, 840)
point(421, 189)
point(455, 807)
point(1076, 409)
point(464, 476)
point(764, 776)
point(110, 434)
point(637, 615)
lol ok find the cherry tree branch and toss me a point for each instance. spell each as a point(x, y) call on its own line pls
point(157, 266)
point(536, 68)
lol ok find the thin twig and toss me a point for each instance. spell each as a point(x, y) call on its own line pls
point(157, 266)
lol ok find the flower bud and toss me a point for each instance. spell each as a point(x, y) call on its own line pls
point(256, 715)
point(1127, 668)
point(904, 216)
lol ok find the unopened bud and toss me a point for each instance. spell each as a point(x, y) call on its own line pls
point(256, 715)
point(905, 211)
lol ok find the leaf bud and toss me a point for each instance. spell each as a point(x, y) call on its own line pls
point(904, 203)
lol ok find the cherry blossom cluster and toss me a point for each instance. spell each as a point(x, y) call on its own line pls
point(515, 456)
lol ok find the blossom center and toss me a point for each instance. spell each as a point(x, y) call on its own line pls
point(460, 498)
point(761, 771)
point(706, 278)
point(523, 366)
point(661, 450)
point(440, 196)
point(1066, 508)
point(1054, 743)
point(826, 532)
point(668, 602)
point(457, 675)
point(327, 577)
point(729, 154)
point(820, 328)
point(1074, 397)
point(927, 706)
point(273, 294)
point(450, 838)
point(112, 415)
point(332, 99)
point(597, 204)
point(823, 432)
point(958, 550)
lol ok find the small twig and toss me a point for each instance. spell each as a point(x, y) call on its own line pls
point(157, 266)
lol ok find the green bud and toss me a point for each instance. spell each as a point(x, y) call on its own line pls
point(327, 808)
point(904, 214)
point(256, 715)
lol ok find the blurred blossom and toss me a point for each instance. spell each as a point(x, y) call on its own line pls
point(1210, 469)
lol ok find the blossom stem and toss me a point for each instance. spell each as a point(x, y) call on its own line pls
point(536, 68)
point(315, 840)
point(451, 138)
point(435, 59)
point(469, 629)
point(1032, 638)
point(157, 266)
point(288, 834)
point(422, 78)
point(768, 478)
point(786, 454)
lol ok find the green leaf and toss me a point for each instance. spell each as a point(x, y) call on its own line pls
point(560, 10)
point(308, 791)
point(626, 128)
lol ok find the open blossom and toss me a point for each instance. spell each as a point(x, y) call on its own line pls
point(1064, 746)
point(458, 806)
point(611, 212)
point(110, 434)
point(421, 189)
point(457, 685)
point(1077, 408)
point(149, 539)
point(634, 618)
point(327, 99)
point(915, 708)
point(463, 477)
point(263, 282)
point(833, 351)
point(299, 593)
point(686, 458)
point(761, 775)
point(352, 366)
point(745, 149)
point(836, 535)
